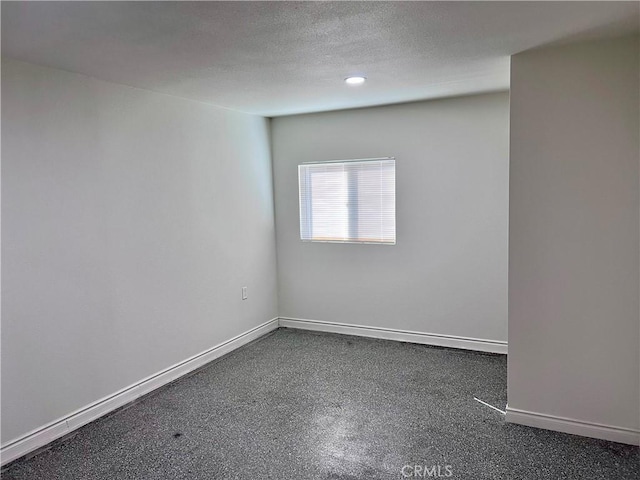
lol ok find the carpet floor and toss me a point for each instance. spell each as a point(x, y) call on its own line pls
point(304, 405)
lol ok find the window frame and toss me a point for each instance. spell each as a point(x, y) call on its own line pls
point(350, 225)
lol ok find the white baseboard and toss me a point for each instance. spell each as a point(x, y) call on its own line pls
point(575, 427)
point(478, 344)
point(47, 433)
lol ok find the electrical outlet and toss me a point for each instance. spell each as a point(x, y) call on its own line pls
point(244, 293)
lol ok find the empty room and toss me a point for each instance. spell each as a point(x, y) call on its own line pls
point(320, 240)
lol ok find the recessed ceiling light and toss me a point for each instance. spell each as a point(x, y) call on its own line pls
point(355, 80)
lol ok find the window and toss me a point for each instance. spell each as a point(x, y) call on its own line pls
point(350, 201)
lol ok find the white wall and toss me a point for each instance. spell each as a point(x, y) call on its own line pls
point(130, 222)
point(448, 272)
point(574, 326)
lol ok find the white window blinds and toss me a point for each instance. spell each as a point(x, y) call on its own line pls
point(351, 201)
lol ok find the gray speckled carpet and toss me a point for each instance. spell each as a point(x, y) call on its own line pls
point(303, 405)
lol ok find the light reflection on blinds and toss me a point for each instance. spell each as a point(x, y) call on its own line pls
point(351, 201)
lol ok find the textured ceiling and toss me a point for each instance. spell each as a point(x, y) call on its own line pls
point(277, 58)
